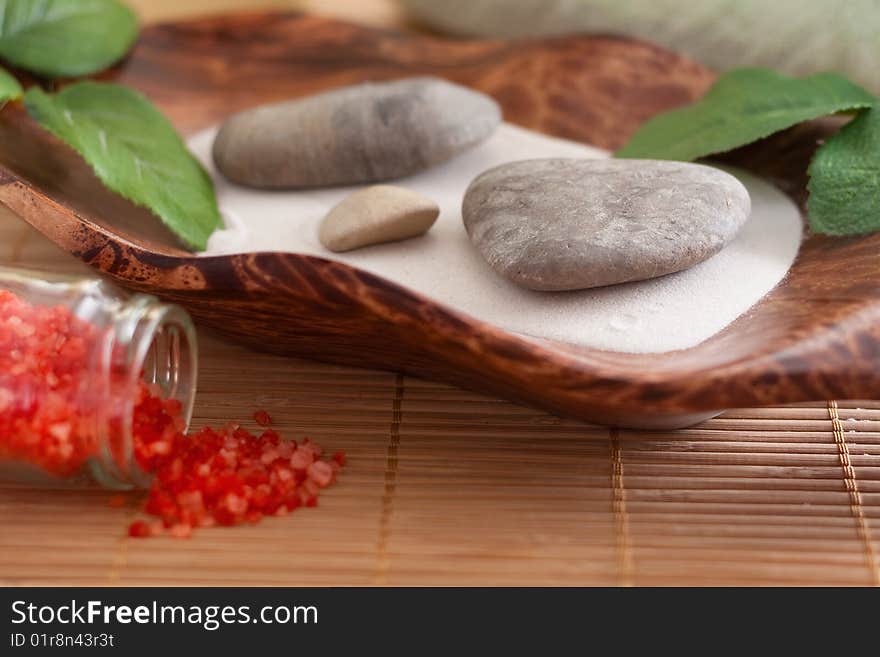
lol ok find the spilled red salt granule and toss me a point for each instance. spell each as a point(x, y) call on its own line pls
point(224, 476)
point(116, 501)
point(47, 419)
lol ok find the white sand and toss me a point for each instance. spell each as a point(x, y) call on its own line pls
point(673, 312)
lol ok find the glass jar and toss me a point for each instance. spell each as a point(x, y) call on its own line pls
point(76, 356)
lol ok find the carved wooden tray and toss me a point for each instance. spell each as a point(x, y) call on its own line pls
point(816, 336)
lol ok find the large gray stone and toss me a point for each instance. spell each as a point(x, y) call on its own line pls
point(565, 224)
point(364, 133)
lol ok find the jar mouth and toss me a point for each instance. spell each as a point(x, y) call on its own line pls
point(169, 359)
point(159, 346)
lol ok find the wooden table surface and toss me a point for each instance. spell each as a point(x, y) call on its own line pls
point(449, 487)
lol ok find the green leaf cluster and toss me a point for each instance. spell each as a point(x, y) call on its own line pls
point(129, 144)
point(748, 104)
point(64, 38)
point(134, 150)
point(10, 89)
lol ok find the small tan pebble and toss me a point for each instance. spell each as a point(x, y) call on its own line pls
point(377, 214)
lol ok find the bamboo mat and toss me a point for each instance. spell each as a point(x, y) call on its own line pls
point(448, 487)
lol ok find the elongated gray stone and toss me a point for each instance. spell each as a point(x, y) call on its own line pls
point(364, 133)
point(565, 224)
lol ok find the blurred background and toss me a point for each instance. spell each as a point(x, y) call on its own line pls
point(792, 36)
point(375, 12)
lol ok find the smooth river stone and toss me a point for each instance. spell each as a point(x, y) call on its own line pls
point(566, 224)
point(377, 214)
point(364, 133)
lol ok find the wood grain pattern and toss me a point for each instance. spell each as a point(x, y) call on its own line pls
point(448, 488)
point(815, 337)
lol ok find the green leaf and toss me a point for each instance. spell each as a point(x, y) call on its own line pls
point(743, 106)
point(845, 179)
point(10, 89)
point(60, 38)
point(135, 151)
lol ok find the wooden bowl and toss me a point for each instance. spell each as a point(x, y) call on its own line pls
point(816, 336)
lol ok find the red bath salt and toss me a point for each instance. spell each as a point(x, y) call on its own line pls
point(45, 419)
point(226, 476)
point(262, 418)
point(48, 412)
point(116, 501)
point(139, 529)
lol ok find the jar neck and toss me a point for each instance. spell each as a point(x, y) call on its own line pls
point(144, 341)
